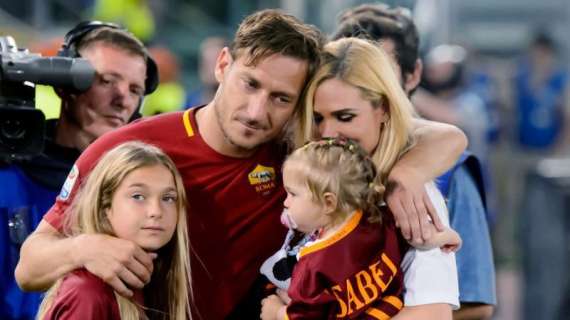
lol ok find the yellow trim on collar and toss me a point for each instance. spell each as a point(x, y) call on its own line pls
point(187, 124)
point(339, 235)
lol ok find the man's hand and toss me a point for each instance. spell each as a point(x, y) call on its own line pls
point(408, 200)
point(120, 263)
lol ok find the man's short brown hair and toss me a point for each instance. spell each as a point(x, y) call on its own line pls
point(119, 38)
point(270, 31)
point(377, 22)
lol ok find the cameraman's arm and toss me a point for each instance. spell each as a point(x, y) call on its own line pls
point(46, 256)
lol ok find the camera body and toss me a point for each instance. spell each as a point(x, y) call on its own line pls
point(22, 126)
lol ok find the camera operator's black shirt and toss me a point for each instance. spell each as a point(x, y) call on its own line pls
point(51, 167)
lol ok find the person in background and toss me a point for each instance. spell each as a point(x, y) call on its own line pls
point(446, 97)
point(124, 74)
point(209, 50)
point(540, 136)
point(170, 94)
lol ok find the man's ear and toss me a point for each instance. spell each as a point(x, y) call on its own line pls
point(330, 202)
point(413, 79)
point(223, 62)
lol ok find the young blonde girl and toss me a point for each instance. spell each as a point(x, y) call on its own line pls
point(350, 266)
point(134, 192)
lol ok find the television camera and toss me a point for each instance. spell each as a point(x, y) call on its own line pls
point(22, 126)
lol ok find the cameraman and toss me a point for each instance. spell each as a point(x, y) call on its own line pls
point(123, 77)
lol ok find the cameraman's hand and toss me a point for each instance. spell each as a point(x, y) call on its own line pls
point(120, 263)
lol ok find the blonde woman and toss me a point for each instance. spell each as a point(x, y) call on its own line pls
point(134, 193)
point(356, 94)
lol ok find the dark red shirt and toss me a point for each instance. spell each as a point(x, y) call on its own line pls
point(234, 205)
point(82, 295)
point(353, 274)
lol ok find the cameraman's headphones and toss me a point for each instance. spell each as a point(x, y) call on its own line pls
point(74, 36)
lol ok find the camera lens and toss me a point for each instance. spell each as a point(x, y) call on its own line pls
point(21, 132)
point(12, 129)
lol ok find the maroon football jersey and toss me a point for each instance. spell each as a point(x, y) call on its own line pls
point(82, 295)
point(353, 274)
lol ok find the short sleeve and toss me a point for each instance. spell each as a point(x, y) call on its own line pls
point(475, 259)
point(80, 170)
point(430, 276)
point(83, 298)
point(308, 299)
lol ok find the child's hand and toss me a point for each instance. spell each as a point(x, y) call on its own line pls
point(448, 240)
point(453, 243)
point(272, 307)
point(283, 295)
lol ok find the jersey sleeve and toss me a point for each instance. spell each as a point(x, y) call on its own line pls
point(83, 300)
point(308, 299)
point(430, 276)
point(77, 175)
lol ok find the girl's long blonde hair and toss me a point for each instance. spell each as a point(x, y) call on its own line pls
point(365, 66)
point(167, 296)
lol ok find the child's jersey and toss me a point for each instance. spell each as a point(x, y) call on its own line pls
point(355, 272)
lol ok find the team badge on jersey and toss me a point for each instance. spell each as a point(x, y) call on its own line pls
point(262, 179)
point(69, 183)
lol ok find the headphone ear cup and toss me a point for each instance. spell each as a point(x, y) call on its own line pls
point(152, 79)
point(138, 112)
point(77, 33)
point(65, 94)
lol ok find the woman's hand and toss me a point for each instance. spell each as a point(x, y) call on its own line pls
point(413, 210)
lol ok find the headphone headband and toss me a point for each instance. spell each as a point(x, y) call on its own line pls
point(74, 36)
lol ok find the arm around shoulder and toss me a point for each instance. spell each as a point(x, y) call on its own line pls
point(45, 256)
point(438, 146)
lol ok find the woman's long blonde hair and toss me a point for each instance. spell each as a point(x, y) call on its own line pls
point(167, 296)
point(365, 66)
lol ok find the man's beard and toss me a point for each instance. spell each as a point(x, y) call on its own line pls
point(240, 148)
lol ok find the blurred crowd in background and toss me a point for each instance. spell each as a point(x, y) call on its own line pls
point(497, 69)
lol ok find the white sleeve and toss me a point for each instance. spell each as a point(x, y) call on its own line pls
point(430, 276)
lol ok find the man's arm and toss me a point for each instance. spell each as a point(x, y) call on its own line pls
point(440, 311)
point(41, 246)
point(437, 148)
point(47, 255)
